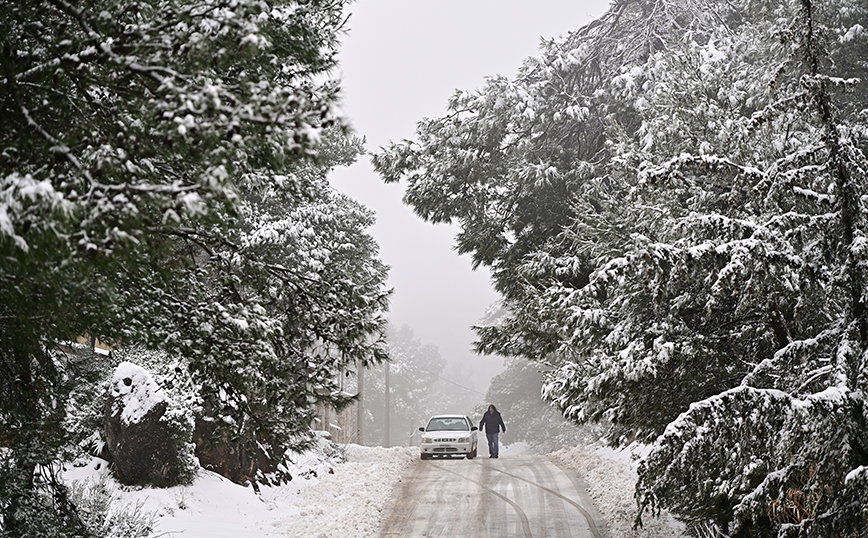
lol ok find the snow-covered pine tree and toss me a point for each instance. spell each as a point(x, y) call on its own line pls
point(139, 143)
point(315, 272)
point(785, 450)
point(732, 274)
point(711, 261)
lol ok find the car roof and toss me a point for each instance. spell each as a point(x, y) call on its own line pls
point(450, 416)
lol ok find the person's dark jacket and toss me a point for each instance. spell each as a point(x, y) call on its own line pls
point(492, 421)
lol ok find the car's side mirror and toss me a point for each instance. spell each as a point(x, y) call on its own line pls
point(473, 428)
point(421, 429)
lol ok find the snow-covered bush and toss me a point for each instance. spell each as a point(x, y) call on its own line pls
point(104, 516)
point(86, 408)
point(149, 436)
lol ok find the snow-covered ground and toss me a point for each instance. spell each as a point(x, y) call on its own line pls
point(326, 498)
point(349, 502)
point(611, 479)
point(336, 494)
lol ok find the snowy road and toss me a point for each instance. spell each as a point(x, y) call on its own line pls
point(513, 496)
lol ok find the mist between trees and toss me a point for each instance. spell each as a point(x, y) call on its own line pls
point(422, 384)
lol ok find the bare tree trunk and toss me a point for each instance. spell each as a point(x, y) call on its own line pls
point(387, 423)
point(360, 406)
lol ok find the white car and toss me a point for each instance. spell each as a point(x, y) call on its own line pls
point(449, 435)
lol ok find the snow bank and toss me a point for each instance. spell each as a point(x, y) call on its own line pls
point(611, 479)
point(332, 498)
point(350, 501)
point(325, 499)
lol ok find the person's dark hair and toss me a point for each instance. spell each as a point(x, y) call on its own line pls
point(491, 406)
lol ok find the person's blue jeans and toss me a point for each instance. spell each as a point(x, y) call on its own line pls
point(492, 443)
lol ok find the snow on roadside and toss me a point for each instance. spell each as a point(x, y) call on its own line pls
point(351, 501)
point(611, 479)
point(327, 498)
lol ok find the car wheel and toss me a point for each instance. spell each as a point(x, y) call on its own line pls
point(472, 453)
point(425, 456)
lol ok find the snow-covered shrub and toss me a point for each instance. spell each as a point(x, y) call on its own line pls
point(101, 514)
point(335, 452)
point(148, 434)
point(172, 376)
point(85, 411)
point(85, 407)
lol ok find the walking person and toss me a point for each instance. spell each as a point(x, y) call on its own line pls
point(493, 424)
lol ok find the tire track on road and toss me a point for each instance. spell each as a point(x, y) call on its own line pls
point(525, 524)
point(542, 474)
point(592, 525)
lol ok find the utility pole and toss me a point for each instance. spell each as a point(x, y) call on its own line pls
point(360, 405)
point(388, 413)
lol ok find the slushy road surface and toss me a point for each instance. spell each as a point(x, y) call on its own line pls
point(524, 496)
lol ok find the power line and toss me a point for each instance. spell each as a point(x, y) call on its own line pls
point(460, 386)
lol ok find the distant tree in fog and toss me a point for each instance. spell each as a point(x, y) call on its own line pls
point(516, 393)
point(414, 368)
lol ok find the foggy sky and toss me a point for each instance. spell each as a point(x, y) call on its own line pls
point(400, 62)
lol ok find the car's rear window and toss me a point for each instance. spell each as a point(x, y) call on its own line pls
point(447, 424)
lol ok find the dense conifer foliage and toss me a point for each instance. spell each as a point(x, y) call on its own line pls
point(162, 168)
point(671, 200)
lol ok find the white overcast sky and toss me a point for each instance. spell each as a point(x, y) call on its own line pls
point(400, 62)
